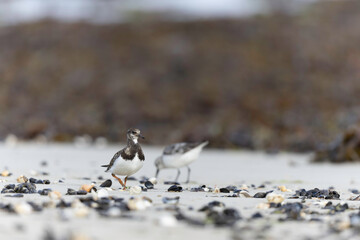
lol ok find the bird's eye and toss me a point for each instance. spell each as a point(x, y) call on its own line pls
point(133, 132)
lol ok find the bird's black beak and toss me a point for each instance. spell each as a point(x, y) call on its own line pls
point(157, 172)
point(141, 136)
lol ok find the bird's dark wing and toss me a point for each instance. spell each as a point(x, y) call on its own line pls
point(180, 148)
point(116, 156)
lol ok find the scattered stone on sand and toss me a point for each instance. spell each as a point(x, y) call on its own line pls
point(175, 188)
point(317, 193)
point(149, 185)
point(275, 198)
point(261, 194)
point(139, 203)
point(6, 173)
point(87, 187)
point(283, 189)
point(135, 190)
point(171, 200)
point(245, 194)
point(153, 180)
point(107, 183)
point(166, 220)
point(22, 179)
point(54, 195)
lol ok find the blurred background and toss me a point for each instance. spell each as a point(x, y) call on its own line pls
point(255, 74)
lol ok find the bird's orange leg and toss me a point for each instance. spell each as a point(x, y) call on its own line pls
point(125, 181)
point(121, 182)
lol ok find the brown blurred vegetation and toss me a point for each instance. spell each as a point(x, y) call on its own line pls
point(267, 82)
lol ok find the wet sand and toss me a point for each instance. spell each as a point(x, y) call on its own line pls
point(215, 168)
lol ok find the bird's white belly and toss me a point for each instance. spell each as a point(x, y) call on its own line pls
point(180, 160)
point(127, 167)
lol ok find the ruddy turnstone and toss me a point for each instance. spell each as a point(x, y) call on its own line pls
point(179, 155)
point(129, 160)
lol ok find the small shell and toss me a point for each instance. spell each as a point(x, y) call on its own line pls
point(139, 203)
point(216, 190)
point(153, 180)
point(275, 198)
point(245, 194)
point(5, 173)
point(80, 209)
point(244, 187)
point(166, 221)
point(135, 190)
point(113, 212)
point(283, 189)
point(54, 195)
point(87, 187)
point(22, 179)
point(23, 208)
point(102, 193)
point(263, 206)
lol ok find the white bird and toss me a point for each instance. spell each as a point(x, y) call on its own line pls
point(129, 160)
point(179, 155)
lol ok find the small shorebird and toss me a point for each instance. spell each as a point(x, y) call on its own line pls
point(129, 160)
point(179, 155)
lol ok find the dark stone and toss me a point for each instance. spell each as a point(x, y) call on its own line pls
point(32, 180)
point(46, 181)
point(107, 183)
point(44, 192)
point(224, 190)
point(175, 188)
point(39, 181)
point(260, 195)
point(149, 185)
point(354, 191)
point(81, 192)
point(71, 191)
point(169, 200)
point(257, 215)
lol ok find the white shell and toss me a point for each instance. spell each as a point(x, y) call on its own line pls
point(275, 198)
point(135, 190)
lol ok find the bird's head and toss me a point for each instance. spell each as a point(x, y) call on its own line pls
point(133, 134)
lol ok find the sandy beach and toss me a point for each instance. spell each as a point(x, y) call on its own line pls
point(78, 165)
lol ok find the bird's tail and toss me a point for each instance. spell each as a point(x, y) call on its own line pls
point(104, 165)
point(203, 144)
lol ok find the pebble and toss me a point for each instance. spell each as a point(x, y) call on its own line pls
point(260, 195)
point(166, 220)
point(23, 208)
point(22, 179)
point(275, 198)
point(256, 215)
point(245, 194)
point(169, 200)
point(175, 188)
point(102, 193)
point(71, 191)
point(6, 173)
point(224, 190)
point(139, 203)
point(149, 185)
point(283, 189)
point(44, 192)
point(135, 190)
point(54, 195)
point(317, 193)
point(87, 187)
point(153, 180)
point(107, 183)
